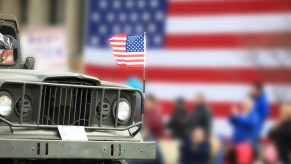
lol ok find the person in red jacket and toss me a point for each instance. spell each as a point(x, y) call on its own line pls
point(153, 118)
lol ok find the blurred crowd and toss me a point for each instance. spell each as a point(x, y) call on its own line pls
point(198, 145)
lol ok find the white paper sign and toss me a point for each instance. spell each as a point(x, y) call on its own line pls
point(47, 45)
point(72, 133)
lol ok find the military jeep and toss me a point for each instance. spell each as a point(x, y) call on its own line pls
point(35, 105)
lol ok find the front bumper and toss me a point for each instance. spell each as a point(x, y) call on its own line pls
point(56, 149)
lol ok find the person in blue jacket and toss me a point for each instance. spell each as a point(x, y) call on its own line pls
point(261, 107)
point(244, 122)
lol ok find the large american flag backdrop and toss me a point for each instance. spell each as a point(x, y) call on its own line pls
point(217, 47)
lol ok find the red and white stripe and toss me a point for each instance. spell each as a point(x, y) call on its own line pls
point(214, 47)
point(123, 58)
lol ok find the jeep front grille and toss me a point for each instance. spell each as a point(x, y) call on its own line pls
point(66, 106)
point(69, 104)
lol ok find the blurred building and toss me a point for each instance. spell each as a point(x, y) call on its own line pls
point(68, 14)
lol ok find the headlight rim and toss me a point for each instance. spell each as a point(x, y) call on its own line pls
point(98, 108)
point(8, 94)
point(114, 109)
point(26, 98)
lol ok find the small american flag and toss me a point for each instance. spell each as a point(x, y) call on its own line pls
point(128, 50)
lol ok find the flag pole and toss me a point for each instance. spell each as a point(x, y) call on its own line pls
point(144, 66)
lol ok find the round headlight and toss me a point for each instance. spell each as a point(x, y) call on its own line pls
point(5, 104)
point(124, 110)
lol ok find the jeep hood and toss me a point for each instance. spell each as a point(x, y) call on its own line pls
point(40, 76)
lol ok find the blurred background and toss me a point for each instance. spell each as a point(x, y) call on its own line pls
point(212, 48)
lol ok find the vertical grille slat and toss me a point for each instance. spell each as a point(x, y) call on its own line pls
point(101, 108)
point(43, 104)
point(94, 110)
point(84, 118)
point(76, 99)
point(71, 101)
point(22, 103)
point(79, 111)
point(54, 107)
point(117, 109)
point(60, 104)
point(64, 111)
point(48, 111)
point(39, 104)
point(90, 109)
